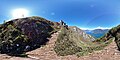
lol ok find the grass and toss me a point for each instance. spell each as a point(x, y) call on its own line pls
point(96, 47)
point(69, 43)
point(65, 46)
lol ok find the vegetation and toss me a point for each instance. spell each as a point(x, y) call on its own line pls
point(21, 35)
point(69, 42)
point(25, 34)
point(65, 46)
point(114, 33)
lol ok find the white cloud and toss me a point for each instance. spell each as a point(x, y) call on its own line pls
point(84, 28)
point(99, 27)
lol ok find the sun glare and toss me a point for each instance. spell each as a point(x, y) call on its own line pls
point(19, 13)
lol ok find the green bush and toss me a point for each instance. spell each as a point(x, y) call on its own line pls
point(65, 46)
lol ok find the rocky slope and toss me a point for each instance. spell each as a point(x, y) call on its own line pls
point(83, 35)
point(24, 34)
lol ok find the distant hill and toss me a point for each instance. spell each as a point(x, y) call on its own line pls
point(97, 33)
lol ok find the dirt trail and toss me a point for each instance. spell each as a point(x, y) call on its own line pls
point(108, 53)
point(47, 53)
point(6, 57)
point(42, 53)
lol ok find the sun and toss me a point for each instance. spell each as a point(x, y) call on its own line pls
point(20, 13)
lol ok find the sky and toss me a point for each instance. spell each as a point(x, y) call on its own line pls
point(86, 14)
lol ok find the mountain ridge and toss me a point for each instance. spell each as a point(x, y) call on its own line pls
point(97, 33)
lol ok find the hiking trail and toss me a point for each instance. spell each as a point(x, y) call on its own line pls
point(47, 52)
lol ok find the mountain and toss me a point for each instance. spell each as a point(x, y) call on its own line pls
point(80, 32)
point(21, 35)
point(24, 34)
point(97, 33)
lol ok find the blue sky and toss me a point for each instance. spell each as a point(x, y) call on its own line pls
point(82, 13)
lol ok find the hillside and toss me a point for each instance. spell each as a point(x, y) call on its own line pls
point(113, 33)
point(108, 53)
point(24, 34)
point(83, 35)
point(74, 41)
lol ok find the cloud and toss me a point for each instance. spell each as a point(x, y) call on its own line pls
point(99, 27)
point(84, 28)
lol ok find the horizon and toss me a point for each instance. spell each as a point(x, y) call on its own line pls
point(85, 14)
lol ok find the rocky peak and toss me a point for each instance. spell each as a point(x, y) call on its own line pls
point(82, 33)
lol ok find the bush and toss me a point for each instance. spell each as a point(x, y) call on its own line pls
point(65, 46)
